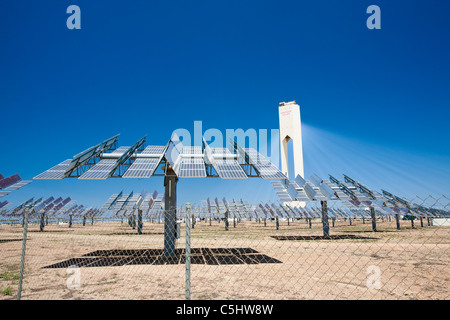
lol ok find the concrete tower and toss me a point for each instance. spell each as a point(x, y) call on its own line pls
point(291, 128)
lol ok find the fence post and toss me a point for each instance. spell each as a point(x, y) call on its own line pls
point(188, 251)
point(22, 258)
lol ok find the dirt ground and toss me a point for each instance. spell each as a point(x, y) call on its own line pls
point(355, 263)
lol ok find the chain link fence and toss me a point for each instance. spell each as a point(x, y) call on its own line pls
point(236, 251)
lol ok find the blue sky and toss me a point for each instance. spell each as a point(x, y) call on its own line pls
point(374, 102)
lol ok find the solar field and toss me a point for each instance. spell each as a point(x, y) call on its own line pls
point(324, 238)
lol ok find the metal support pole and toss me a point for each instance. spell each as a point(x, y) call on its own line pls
point(397, 220)
point(133, 221)
point(139, 230)
point(226, 220)
point(92, 221)
point(193, 221)
point(188, 252)
point(421, 221)
point(412, 220)
point(325, 222)
point(374, 219)
point(22, 258)
point(310, 223)
point(42, 225)
point(84, 221)
point(234, 221)
point(333, 220)
point(265, 222)
point(277, 224)
point(170, 213)
point(70, 221)
point(350, 219)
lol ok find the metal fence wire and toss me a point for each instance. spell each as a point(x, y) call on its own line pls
point(229, 249)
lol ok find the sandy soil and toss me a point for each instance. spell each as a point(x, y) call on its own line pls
point(412, 263)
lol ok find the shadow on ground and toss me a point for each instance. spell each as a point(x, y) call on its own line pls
point(134, 233)
point(210, 256)
point(331, 237)
point(9, 240)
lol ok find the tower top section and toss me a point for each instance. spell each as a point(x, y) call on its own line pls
point(281, 104)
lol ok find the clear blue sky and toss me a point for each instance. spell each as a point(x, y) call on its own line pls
point(374, 103)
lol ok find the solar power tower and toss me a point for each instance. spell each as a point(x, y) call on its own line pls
point(105, 160)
